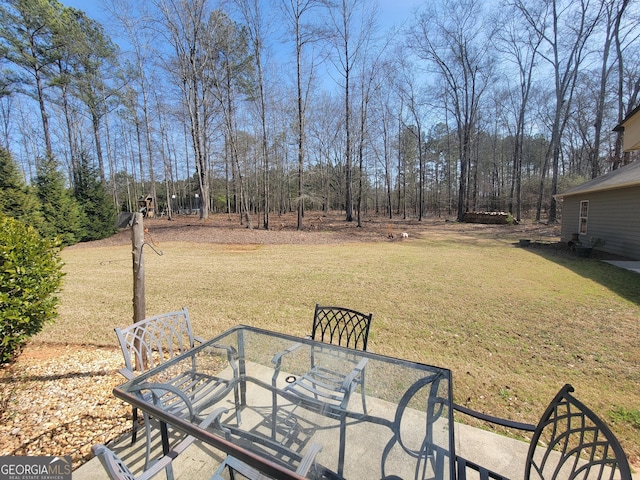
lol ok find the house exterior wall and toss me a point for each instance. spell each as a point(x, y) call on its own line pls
point(614, 216)
point(570, 216)
point(631, 137)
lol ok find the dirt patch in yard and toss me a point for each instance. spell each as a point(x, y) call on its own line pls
point(317, 228)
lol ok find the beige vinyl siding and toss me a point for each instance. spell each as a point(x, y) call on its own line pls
point(614, 216)
point(631, 137)
point(570, 217)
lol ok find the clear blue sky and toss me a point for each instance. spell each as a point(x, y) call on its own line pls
point(392, 12)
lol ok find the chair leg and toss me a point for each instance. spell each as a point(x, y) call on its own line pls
point(134, 431)
point(164, 433)
point(274, 414)
point(341, 448)
point(364, 401)
point(147, 429)
point(238, 406)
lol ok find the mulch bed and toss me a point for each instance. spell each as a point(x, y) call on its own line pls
point(57, 400)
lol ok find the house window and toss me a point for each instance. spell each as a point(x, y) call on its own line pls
point(584, 214)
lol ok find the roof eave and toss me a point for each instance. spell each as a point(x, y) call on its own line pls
point(620, 126)
point(595, 190)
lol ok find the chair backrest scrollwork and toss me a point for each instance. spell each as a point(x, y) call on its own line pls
point(341, 326)
point(572, 442)
point(154, 340)
point(115, 467)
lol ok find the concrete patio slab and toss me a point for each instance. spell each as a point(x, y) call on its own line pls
point(626, 264)
point(498, 453)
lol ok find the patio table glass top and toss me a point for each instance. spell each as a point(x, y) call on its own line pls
point(401, 426)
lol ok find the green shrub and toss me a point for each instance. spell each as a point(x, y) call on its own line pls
point(30, 279)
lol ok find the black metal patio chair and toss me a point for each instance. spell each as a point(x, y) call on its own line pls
point(235, 466)
point(424, 404)
point(324, 383)
point(278, 453)
point(569, 442)
point(338, 326)
point(117, 469)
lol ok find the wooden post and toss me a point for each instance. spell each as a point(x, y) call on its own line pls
point(137, 242)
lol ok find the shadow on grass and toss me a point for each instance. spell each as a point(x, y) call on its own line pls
point(623, 282)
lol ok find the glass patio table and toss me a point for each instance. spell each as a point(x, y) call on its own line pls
point(394, 418)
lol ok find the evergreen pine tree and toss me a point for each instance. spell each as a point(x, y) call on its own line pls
point(63, 215)
point(100, 213)
point(17, 200)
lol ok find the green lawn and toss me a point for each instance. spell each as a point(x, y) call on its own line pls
point(513, 324)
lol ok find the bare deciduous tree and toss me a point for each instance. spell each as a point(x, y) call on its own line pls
point(454, 38)
point(565, 27)
point(253, 17)
point(351, 30)
point(628, 80)
point(185, 22)
point(296, 14)
point(518, 42)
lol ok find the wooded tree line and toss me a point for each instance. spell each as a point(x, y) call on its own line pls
point(256, 108)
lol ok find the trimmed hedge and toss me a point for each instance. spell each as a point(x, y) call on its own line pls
point(30, 279)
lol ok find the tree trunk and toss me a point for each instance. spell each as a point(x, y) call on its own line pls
point(347, 121)
point(301, 125)
point(43, 113)
point(137, 243)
